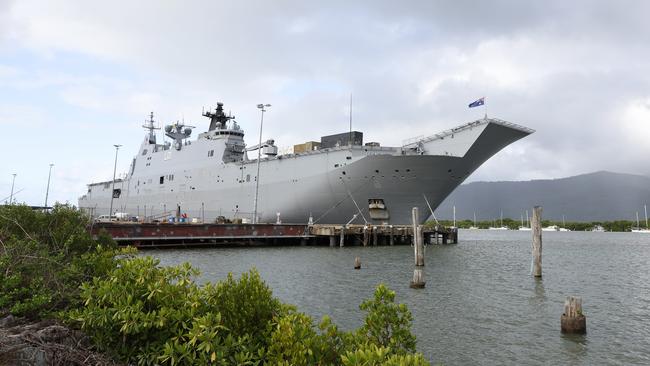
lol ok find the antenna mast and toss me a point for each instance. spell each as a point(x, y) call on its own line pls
point(149, 125)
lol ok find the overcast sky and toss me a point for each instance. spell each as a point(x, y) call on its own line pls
point(77, 77)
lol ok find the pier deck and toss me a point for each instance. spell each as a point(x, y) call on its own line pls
point(159, 235)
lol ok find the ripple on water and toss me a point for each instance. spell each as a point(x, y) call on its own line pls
point(480, 304)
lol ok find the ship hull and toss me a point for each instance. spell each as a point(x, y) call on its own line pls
point(336, 186)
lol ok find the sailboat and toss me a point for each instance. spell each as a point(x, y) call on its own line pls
point(454, 226)
point(500, 227)
point(563, 225)
point(527, 227)
point(474, 227)
point(638, 229)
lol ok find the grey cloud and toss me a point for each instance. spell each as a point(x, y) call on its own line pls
point(569, 69)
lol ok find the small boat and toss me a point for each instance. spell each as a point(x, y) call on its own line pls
point(500, 227)
point(598, 229)
point(551, 228)
point(639, 229)
point(563, 224)
point(522, 227)
point(474, 227)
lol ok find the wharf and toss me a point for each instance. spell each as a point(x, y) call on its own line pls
point(161, 235)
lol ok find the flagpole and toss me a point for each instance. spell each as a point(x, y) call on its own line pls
point(485, 105)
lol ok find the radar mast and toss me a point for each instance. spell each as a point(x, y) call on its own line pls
point(218, 119)
point(149, 125)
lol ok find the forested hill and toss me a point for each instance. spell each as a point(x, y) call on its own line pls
point(599, 196)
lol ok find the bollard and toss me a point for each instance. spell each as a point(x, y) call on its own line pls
point(418, 279)
point(374, 235)
point(573, 321)
point(366, 233)
point(357, 263)
point(537, 241)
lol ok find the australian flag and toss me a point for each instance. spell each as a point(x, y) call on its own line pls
point(476, 103)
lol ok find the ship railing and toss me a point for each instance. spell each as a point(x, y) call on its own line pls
point(511, 125)
point(413, 142)
point(337, 148)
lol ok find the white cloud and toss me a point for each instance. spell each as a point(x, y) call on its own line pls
point(575, 73)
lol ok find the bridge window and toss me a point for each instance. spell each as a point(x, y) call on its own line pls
point(162, 179)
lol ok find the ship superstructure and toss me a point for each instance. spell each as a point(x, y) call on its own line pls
point(212, 176)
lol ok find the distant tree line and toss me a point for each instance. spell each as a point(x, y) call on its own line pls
point(618, 225)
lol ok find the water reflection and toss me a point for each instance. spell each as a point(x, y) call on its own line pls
point(574, 347)
point(539, 295)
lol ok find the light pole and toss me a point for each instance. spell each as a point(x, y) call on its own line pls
point(47, 190)
point(259, 155)
point(11, 197)
point(110, 211)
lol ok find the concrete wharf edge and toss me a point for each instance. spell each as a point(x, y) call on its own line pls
point(161, 235)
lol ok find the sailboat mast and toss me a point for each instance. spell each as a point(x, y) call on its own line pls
point(474, 218)
point(501, 218)
point(645, 210)
point(454, 216)
point(522, 219)
point(527, 220)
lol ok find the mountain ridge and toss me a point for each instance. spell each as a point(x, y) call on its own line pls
point(596, 196)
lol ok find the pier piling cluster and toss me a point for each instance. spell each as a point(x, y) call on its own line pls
point(161, 235)
point(573, 320)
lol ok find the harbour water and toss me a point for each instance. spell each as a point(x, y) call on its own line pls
point(480, 304)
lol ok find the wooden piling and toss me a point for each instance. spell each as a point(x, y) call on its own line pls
point(342, 238)
point(537, 241)
point(573, 320)
point(374, 236)
point(392, 237)
point(332, 241)
point(418, 279)
point(357, 263)
point(366, 234)
point(417, 238)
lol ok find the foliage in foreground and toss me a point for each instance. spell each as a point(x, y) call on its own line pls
point(44, 258)
point(149, 314)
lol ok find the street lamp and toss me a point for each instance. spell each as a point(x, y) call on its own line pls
point(11, 197)
point(47, 190)
point(259, 153)
point(110, 211)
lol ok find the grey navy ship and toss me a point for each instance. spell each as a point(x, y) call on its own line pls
point(340, 182)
